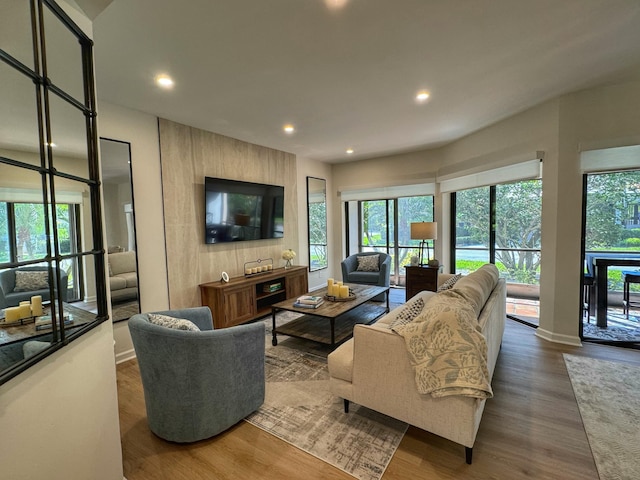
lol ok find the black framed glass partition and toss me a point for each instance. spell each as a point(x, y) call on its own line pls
point(52, 282)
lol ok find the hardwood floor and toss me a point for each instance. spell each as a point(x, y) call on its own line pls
point(530, 429)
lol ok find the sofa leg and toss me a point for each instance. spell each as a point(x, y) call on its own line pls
point(468, 453)
point(346, 405)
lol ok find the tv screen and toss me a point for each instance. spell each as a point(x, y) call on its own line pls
point(237, 211)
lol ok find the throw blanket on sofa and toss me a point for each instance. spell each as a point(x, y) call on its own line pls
point(447, 349)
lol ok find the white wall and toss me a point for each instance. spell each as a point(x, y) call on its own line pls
point(59, 419)
point(311, 168)
point(141, 131)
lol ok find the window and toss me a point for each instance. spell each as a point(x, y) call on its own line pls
point(50, 212)
point(385, 226)
point(500, 224)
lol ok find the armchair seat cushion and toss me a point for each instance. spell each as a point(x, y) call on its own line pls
point(364, 277)
point(117, 283)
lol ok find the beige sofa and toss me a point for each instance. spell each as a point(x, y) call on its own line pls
point(123, 277)
point(374, 370)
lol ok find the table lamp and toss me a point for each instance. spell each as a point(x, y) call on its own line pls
point(424, 231)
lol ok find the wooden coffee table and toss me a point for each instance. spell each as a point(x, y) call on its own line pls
point(341, 316)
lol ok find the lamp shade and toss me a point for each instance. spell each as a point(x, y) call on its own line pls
point(424, 231)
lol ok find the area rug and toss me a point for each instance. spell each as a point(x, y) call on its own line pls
point(124, 310)
point(608, 396)
point(300, 410)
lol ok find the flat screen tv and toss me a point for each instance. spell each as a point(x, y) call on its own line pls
point(238, 211)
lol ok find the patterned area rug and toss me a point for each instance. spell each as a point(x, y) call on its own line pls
point(300, 410)
point(608, 395)
point(125, 310)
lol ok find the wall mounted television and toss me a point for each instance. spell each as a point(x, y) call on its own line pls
point(238, 211)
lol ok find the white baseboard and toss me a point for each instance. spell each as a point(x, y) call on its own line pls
point(558, 338)
point(90, 299)
point(124, 356)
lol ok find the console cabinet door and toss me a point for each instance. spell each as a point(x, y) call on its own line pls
point(297, 284)
point(239, 305)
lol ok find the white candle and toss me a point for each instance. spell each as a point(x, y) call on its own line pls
point(11, 314)
point(25, 310)
point(36, 305)
point(247, 271)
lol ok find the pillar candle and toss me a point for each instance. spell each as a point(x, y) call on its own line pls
point(11, 314)
point(339, 283)
point(25, 302)
point(329, 286)
point(247, 271)
point(344, 291)
point(270, 267)
point(36, 305)
point(25, 310)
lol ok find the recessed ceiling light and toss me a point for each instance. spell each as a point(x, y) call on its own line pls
point(349, 151)
point(422, 96)
point(288, 128)
point(164, 81)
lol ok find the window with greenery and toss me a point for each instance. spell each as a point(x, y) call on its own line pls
point(500, 224)
point(385, 226)
point(51, 250)
point(613, 218)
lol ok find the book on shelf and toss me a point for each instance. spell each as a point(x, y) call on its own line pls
point(307, 305)
point(310, 300)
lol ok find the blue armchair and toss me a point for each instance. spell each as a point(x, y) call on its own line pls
point(9, 297)
point(351, 274)
point(198, 384)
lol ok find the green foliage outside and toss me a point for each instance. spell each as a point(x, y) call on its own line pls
point(318, 235)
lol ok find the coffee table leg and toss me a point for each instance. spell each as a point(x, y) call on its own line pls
point(388, 310)
point(333, 332)
point(274, 339)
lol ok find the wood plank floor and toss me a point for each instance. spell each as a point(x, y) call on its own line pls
point(531, 429)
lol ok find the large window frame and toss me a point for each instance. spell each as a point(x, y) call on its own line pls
point(60, 96)
point(392, 246)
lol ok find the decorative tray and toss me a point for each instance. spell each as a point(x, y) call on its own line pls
point(332, 298)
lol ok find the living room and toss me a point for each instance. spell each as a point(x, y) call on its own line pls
point(173, 259)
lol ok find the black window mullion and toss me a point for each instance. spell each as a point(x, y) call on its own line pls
point(492, 224)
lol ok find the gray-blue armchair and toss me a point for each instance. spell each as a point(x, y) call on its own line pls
point(351, 274)
point(198, 384)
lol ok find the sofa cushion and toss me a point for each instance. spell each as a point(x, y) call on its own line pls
point(122, 262)
point(131, 278)
point(117, 283)
point(368, 263)
point(408, 312)
point(27, 281)
point(172, 322)
point(477, 286)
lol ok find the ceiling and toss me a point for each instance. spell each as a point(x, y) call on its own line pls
point(346, 72)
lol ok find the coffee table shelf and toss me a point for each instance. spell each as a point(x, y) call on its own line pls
point(332, 322)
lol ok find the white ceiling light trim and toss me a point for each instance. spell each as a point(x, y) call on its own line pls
point(520, 171)
point(606, 159)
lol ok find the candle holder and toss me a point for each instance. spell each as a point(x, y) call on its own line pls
point(255, 267)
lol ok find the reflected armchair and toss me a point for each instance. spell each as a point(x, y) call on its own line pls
point(198, 383)
point(10, 297)
point(351, 274)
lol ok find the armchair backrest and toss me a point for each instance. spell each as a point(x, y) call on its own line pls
point(191, 379)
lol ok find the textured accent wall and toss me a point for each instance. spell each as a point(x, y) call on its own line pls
point(188, 155)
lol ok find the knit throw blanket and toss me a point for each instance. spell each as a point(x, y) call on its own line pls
point(447, 349)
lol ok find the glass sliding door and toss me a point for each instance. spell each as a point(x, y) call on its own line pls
point(501, 224)
point(384, 226)
point(611, 232)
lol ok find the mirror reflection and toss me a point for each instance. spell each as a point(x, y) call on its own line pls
point(317, 222)
point(120, 228)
